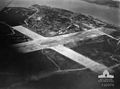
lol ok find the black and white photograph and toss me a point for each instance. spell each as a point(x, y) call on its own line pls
point(59, 44)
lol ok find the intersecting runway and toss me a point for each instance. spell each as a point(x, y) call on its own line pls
point(56, 43)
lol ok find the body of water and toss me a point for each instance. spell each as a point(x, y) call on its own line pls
point(104, 13)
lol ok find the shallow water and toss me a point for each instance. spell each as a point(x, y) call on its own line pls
point(108, 14)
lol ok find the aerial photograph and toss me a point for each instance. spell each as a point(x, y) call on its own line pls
point(60, 44)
